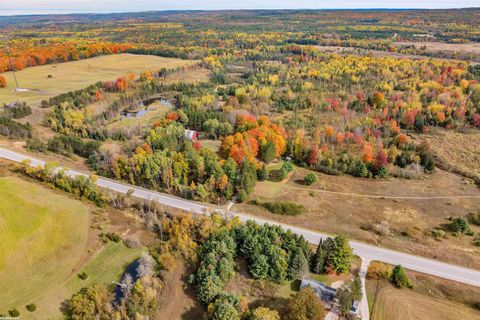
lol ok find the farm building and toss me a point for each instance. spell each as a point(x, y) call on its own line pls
point(191, 135)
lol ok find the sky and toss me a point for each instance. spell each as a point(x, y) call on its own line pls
point(11, 7)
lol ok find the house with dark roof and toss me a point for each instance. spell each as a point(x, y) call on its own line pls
point(325, 293)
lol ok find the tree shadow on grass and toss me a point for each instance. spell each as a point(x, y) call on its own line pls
point(279, 304)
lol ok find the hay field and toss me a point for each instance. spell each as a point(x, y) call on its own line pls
point(79, 74)
point(42, 237)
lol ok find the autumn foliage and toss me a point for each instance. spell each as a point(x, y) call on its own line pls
point(253, 137)
point(30, 53)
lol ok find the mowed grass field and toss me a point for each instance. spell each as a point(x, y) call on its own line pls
point(432, 299)
point(42, 237)
point(105, 266)
point(396, 304)
point(79, 74)
point(45, 242)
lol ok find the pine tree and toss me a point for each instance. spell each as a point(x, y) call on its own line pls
point(298, 265)
point(318, 261)
point(345, 300)
point(356, 288)
point(341, 255)
point(268, 152)
point(400, 278)
point(263, 173)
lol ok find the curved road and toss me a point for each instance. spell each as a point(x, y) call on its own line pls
point(366, 251)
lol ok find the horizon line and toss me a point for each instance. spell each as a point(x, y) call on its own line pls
point(65, 12)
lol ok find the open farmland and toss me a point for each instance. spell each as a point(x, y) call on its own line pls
point(430, 298)
point(473, 48)
point(40, 231)
point(79, 74)
point(398, 304)
point(456, 152)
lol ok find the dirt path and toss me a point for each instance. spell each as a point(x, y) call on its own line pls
point(178, 301)
point(351, 194)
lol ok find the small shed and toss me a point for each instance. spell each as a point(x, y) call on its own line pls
point(191, 135)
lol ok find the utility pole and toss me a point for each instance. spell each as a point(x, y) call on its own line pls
point(7, 50)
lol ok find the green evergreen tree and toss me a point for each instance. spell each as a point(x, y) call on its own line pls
point(345, 300)
point(298, 264)
point(268, 152)
point(400, 278)
point(318, 261)
point(263, 173)
point(356, 288)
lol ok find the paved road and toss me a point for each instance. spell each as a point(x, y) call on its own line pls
point(366, 251)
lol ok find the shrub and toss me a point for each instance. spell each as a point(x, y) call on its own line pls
point(474, 218)
point(284, 208)
point(10, 128)
point(65, 144)
point(437, 233)
point(287, 166)
point(35, 144)
point(83, 276)
point(310, 178)
point(282, 174)
point(14, 313)
point(459, 225)
point(113, 237)
point(262, 173)
point(31, 307)
point(242, 196)
point(400, 278)
point(379, 270)
point(18, 110)
point(263, 313)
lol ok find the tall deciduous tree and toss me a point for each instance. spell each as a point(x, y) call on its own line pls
point(305, 305)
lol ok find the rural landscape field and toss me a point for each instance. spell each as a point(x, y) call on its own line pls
point(239, 164)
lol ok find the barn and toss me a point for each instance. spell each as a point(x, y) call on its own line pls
point(191, 135)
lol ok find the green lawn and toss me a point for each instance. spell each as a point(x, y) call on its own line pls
point(42, 237)
point(106, 266)
point(43, 244)
point(78, 74)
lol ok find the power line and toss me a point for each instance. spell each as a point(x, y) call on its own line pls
point(7, 50)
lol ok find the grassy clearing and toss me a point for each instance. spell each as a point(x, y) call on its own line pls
point(335, 204)
point(431, 298)
point(395, 304)
point(213, 145)
point(154, 112)
point(457, 152)
point(442, 46)
point(106, 266)
point(42, 237)
point(79, 74)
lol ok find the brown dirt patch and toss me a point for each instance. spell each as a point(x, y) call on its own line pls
point(177, 299)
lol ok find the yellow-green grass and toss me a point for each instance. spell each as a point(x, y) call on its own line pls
point(79, 74)
point(155, 111)
point(105, 267)
point(42, 237)
point(213, 145)
point(392, 303)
